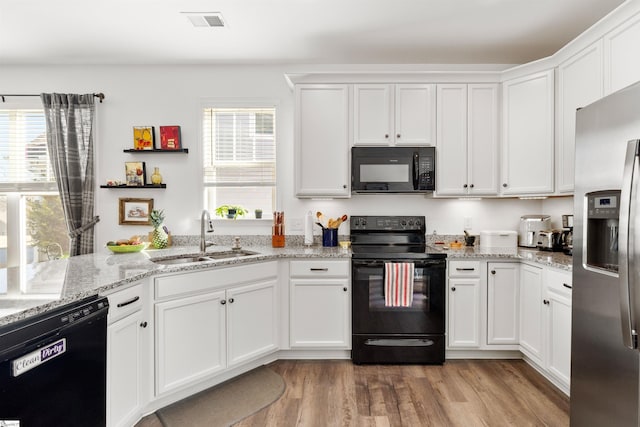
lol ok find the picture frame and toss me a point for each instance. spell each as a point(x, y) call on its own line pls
point(170, 138)
point(135, 174)
point(143, 138)
point(135, 211)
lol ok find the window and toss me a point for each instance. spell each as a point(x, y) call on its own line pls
point(239, 147)
point(32, 227)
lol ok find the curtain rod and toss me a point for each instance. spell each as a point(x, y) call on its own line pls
point(97, 95)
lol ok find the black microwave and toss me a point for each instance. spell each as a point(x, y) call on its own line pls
point(393, 169)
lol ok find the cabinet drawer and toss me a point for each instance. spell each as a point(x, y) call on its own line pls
point(319, 268)
point(123, 303)
point(464, 268)
point(559, 282)
point(217, 278)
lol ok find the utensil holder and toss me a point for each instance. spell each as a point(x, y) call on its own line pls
point(277, 236)
point(329, 237)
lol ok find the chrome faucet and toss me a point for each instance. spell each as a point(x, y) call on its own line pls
point(205, 217)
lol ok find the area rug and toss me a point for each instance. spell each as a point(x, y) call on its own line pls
point(226, 403)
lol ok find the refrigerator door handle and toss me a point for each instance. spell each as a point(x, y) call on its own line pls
point(627, 271)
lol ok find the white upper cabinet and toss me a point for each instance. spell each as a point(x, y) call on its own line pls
point(621, 59)
point(467, 138)
point(394, 114)
point(322, 135)
point(527, 129)
point(580, 83)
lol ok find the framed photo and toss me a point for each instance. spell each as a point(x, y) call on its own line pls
point(135, 173)
point(143, 138)
point(170, 138)
point(135, 211)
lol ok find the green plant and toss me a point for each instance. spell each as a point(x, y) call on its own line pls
point(223, 210)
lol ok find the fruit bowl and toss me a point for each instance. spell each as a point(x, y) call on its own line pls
point(123, 249)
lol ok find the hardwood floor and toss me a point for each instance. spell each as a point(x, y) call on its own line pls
point(459, 393)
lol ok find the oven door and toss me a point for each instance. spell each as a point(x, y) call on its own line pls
point(426, 315)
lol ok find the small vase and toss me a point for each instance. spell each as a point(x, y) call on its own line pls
point(159, 238)
point(156, 178)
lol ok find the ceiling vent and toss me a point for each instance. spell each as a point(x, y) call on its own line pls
point(205, 19)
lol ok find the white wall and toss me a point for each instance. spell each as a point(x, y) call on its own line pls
point(171, 95)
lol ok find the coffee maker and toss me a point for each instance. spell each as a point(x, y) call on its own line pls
point(567, 234)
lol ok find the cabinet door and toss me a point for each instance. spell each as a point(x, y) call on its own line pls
point(415, 114)
point(580, 83)
point(559, 337)
point(482, 139)
point(451, 139)
point(622, 63)
point(322, 134)
point(464, 313)
point(527, 149)
point(190, 339)
point(127, 359)
point(320, 313)
point(532, 313)
point(503, 303)
point(373, 114)
point(252, 321)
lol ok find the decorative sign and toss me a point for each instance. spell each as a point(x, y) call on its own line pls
point(38, 357)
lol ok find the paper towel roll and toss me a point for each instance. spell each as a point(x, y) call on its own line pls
point(308, 228)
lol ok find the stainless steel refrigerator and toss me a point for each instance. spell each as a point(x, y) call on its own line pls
point(606, 263)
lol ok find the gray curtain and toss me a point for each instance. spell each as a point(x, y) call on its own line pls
point(70, 120)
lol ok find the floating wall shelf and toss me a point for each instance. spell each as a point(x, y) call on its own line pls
point(135, 186)
point(157, 150)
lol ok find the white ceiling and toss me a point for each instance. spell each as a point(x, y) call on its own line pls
point(292, 31)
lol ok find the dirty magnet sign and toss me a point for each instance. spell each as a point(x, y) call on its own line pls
point(38, 357)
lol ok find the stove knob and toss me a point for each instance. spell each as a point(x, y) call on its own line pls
point(363, 222)
point(410, 223)
point(403, 223)
point(417, 223)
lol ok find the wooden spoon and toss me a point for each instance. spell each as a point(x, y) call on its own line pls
point(320, 216)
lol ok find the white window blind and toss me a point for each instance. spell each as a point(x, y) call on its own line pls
point(24, 159)
point(239, 147)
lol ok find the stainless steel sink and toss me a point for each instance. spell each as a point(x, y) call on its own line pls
point(213, 256)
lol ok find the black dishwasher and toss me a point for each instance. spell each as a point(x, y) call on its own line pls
point(53, 367)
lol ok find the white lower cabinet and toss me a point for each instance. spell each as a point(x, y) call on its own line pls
point(128, 355)
point(532, 313)
point(503, 303)
point(212, 320)
point(320, 304)
point(190, 339)
point(464, 309)
point(558, 330)
point(251, 321)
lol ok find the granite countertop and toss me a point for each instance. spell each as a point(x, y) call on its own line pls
point(550, 259)
point(50, 284)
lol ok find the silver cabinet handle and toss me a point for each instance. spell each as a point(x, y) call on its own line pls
point(223, 302)
point(131, 301)
point(231, 300)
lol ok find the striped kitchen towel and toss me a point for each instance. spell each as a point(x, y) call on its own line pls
point(398, 284)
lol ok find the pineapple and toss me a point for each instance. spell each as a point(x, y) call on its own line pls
point(159, 237)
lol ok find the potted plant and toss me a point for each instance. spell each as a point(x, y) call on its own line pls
point(258, 213)
point(230, 211)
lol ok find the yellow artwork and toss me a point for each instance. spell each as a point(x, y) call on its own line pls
point(143, 138)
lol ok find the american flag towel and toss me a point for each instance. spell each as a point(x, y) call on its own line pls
point(398, 284)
